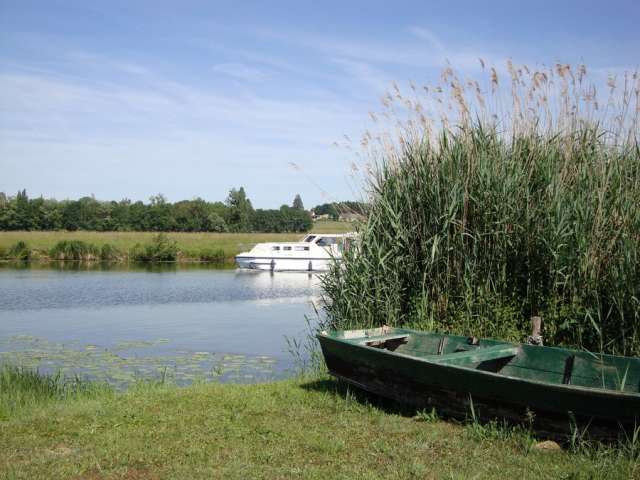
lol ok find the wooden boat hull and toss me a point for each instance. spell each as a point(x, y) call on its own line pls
point(459, 391)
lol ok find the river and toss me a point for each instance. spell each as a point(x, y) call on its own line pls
point(181, 324)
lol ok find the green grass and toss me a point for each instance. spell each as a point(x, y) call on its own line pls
point(22, 387)
point(191, 246)
point(304, 428)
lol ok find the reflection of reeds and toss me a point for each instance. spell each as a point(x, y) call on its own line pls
point(491, 205)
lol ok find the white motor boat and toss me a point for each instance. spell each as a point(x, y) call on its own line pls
point(315, 252)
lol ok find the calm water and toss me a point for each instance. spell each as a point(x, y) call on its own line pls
point(181, 323)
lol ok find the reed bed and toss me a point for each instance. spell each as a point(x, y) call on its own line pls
point(22, 387)
point(74, 250)
point(489, 206)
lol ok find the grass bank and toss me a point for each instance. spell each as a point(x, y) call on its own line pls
point(304, 428)
point(115, 246)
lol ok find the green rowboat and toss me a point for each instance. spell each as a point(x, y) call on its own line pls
point(551, 388)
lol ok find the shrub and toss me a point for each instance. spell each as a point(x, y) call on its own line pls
point(20, 251)
point(162, 249)
point(74, 250)
point(109, 253)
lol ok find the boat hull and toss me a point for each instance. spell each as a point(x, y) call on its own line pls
point(464, 392)
point(284, 264)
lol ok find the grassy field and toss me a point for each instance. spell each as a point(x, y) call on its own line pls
point(313, 428)
point(190, 245)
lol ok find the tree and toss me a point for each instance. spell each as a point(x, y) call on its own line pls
point(297, 202)
point(159, 214)
point(326, 209)
point(216, 223)
point(23, 220)
point(239, 210)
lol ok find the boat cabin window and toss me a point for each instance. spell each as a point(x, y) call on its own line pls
point(309, 238)
point(286, 248)
point(300, 249)
point(326, 241)
point(275, 248)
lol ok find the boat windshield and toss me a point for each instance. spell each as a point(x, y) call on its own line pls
point(309, 238)
point(326, 241)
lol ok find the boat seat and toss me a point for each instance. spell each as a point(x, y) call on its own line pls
point(486, 358)
point(388, 343)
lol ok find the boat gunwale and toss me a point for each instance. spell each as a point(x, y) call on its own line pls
point(621, 394)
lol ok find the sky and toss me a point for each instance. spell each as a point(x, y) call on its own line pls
point(128, 99)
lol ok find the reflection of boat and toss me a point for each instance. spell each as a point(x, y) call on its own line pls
point(314, 253)
point(550, 387)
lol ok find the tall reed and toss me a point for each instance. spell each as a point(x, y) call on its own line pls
point(74, 250)
point(488, 208)
point(22, 387)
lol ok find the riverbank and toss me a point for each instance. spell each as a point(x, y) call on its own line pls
point(191, 247)
point(302, 428)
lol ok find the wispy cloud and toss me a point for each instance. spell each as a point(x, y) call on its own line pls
point(403, 51)
point(431, 38)
point(147, 88)
point(365, 74)
point(241, 71)
point(56, 125)
point(41, 102)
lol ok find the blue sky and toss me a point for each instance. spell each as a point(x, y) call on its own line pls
point(133, 98)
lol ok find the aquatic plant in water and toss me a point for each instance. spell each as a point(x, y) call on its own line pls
point(128, 362)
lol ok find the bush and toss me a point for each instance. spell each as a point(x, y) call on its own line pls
point(213, 256)
point(74, 250)
point(20, 251)
point(473, 230)
point(162, 249)
point(109, 253)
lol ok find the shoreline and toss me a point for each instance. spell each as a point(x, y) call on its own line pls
point(192, 247)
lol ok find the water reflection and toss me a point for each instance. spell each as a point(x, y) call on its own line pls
point(74, 266)
point(214, 324)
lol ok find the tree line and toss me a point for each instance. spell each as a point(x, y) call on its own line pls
point(235, 214)
point(335, 209)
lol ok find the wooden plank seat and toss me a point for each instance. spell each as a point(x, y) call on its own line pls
point(487, 358)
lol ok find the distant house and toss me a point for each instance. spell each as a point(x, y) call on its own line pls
point(319, 217)
point(351, 217)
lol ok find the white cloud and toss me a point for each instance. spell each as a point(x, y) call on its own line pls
point(51, 125)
